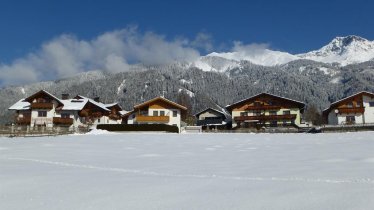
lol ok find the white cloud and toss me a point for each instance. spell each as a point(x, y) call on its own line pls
point(66, 55)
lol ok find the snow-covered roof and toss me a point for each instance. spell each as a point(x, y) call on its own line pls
point(20, 105)
point(123, 112)
point(74, 104)
point(46, 92)
point(99, 104)
point(252, 97)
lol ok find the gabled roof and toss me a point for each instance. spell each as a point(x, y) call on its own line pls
point(20, 105)
point(197, 114)
point(113, 105)
point(74, 104)
point(332, 105)
point(298, 103)
point(162, 99)
point(29, 99)
point(99, 104)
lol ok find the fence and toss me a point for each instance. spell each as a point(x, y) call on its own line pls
point(14, 131)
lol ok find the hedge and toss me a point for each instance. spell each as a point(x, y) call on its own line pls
point(139, 127)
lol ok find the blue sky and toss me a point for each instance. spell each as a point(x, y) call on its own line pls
point(288, 25)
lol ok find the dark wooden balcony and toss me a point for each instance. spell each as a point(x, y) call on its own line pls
point(41, 105)
point(63, 121)
point(154, 119)
point(266, 117)
point(23, 120)
point(263, 108)
point(351, 110)
point(209, 122)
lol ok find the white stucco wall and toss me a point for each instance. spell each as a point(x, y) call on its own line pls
point(169, 112)
point(369, 111)
point(209, 113)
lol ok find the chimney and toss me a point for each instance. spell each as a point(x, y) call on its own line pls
point(97, 99)
point(65, 96)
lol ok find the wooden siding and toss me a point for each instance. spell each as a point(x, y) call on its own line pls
point(63, 121)
point(266, 117)
point(142, 118)
point(41, 105)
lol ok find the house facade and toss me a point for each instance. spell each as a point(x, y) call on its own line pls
point(266, 110)
point(156, 111)
point(355, 109)
point(45, 109)
point(211, 118)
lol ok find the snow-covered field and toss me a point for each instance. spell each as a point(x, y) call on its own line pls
point(191, 171)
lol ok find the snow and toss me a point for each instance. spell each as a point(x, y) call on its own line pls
point(20, 105)
point(263, 57)
point(121, 86)
point(336, 80)
point(188, 171)
point(186, 81)
point(74, 104)
point(343, 50)
point(190, 93)
point(98, 132)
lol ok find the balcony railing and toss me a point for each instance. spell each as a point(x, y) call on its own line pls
point(41, 105)
point(351, 110)
point(263, 107)
point(63, 121)
point(209, 122)
point(161, 119)
point(23, 120)
point(266, 117)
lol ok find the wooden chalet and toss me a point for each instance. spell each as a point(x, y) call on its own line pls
point(266, 110)
point(45, 109)
point(211, 119)
point(355, 109)
point(156, 111)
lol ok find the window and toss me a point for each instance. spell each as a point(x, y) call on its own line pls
point(358, 104)
point(155, 113)
point(371, 104)
point(257, 113)
point(286, 112)
point(350, 105)
point(98, 120)
point(273, 123)
point(65, 115)
point(162, 113)
point(243, 114)
point(284, 122)
point(350, 119)
point(175, 113)
point(273, 113)
point(42, 113)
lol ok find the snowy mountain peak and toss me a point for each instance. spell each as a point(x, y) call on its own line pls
point(344, 50)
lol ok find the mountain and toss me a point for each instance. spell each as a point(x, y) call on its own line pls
point(219, 79)
point(260, 56)
point(343, 50)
